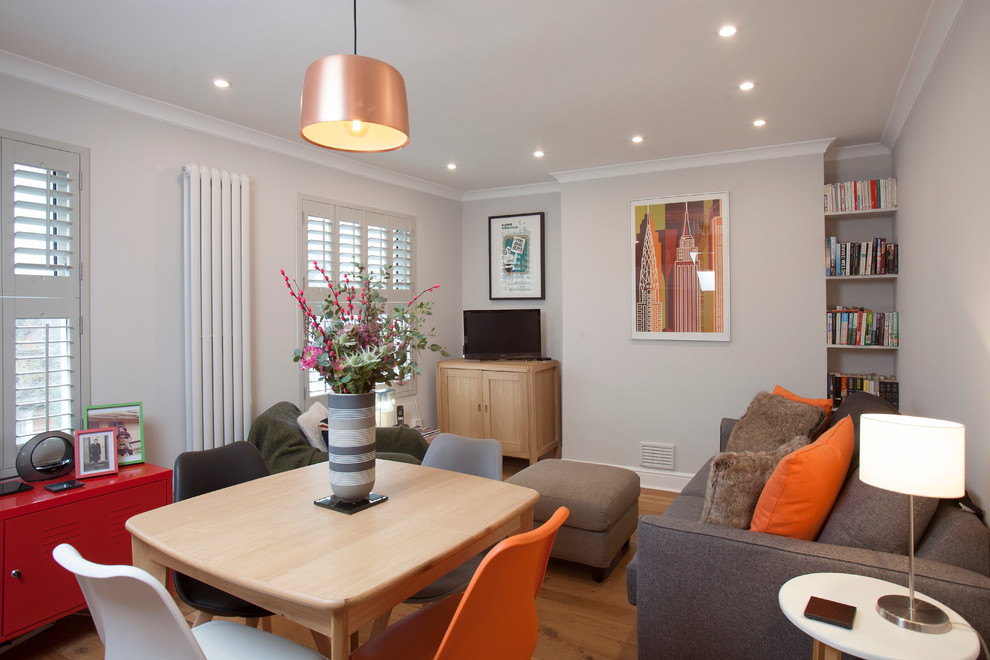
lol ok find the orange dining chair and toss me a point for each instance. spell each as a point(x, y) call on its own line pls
point(495, 618)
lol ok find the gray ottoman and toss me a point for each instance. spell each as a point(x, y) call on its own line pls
point(604, 505)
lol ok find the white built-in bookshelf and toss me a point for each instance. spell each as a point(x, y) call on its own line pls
point(862, 325)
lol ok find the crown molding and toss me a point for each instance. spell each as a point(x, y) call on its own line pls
point(942, 16)
point(44, 75)
point(513, 191)
point(857, 151)
point(806, 148)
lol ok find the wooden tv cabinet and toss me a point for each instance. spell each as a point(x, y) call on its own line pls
point(517, 402)
point(35, 590)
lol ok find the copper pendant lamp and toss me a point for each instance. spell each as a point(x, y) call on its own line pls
point(354, 103)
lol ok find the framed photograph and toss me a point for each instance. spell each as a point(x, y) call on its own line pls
point(680, 267)
point(515, 257)
point(128, 420)
point(96, 453)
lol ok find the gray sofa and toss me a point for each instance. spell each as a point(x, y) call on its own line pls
point(707, 591)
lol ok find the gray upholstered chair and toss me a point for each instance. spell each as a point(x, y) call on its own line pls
point(481, 457)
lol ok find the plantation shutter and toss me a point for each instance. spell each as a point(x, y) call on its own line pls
point(337, 236)
point(41, 294)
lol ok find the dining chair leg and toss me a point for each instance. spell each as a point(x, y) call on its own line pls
point(266, 624)
point(322, 643)
point(202, 617)
point(381, 622)
point(252, 622)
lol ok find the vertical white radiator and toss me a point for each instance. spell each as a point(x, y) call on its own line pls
point(216, 208)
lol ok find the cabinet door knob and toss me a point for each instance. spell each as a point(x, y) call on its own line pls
point(16, 573)
point(479, 407)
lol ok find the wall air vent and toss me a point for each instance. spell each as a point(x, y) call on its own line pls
point(658, 456)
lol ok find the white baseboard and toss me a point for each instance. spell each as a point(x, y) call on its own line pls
point(652, 479)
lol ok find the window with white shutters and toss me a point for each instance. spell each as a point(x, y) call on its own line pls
point(42, 296)
point(338, 236)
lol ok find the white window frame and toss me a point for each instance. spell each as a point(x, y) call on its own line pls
point(401, 289)
point(34, 295)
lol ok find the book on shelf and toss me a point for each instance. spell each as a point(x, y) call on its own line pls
point(841, 385)
point(873, 257)
point(858, 326)
point(860, 195)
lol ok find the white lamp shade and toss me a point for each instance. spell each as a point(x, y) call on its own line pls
point(913, 455)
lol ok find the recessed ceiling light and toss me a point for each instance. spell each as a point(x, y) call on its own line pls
point(221, 83)
point(727, 31)
point(539, 154)
point(760, 122)
point(637, 139)
point(451, 166)
point(746, 86)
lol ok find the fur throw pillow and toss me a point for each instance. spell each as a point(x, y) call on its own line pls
point(736, 480)
point(770, 421)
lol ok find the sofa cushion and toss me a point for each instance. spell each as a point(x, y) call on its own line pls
point(770, 421)
point(803, 487)
point(855, 405)
point(824, 404)
point(865, 516)
point(956, 536)
point(736, 480)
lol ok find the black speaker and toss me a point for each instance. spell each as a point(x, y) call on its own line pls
point(48, 455)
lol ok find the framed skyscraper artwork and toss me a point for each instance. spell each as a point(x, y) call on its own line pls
point(515, 257)
point(680, 267)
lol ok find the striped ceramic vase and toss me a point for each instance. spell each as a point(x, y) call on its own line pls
point(351, 443)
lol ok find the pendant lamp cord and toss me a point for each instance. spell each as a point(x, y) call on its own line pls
point(355, 27)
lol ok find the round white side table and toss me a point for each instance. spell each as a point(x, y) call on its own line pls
point(872, 637)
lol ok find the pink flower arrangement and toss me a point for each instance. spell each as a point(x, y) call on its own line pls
point(354, 341)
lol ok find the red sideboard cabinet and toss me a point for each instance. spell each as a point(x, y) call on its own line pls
point(35, 590)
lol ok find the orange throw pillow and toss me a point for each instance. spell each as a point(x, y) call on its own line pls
point(802, 489)
point(824, 404)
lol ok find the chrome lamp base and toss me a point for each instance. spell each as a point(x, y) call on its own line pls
point(923, 617)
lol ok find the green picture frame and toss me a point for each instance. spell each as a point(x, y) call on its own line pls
point(128, 421)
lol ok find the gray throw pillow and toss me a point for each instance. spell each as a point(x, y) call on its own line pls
point(865, 516)
point(736, 480)
point(770, 421)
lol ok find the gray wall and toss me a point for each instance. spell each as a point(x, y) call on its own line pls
point(474, 248)
point(619, 392)
point(943, 227)
point(136, 250)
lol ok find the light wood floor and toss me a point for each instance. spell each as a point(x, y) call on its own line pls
point(579, 618)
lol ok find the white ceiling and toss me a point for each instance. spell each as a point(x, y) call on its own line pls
point(490, 82)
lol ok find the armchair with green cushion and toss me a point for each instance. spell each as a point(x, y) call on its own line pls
point(283, 445)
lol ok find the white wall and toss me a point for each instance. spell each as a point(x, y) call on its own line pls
point(943, 228)
point(618, 392)
point(135, 254)
point(474, 246)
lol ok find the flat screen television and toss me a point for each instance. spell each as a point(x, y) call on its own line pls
point(502, 334)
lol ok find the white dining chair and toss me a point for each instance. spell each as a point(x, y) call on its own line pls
point(137, 618)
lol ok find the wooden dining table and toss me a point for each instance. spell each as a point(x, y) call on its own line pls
point(268, 543)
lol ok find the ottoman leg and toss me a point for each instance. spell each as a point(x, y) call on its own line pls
point(598, 573)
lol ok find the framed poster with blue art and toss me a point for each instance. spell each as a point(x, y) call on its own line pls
point(515, 257)
point(680, 267)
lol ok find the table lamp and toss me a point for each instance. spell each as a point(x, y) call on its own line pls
point(915, 456)
point(385, 407)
